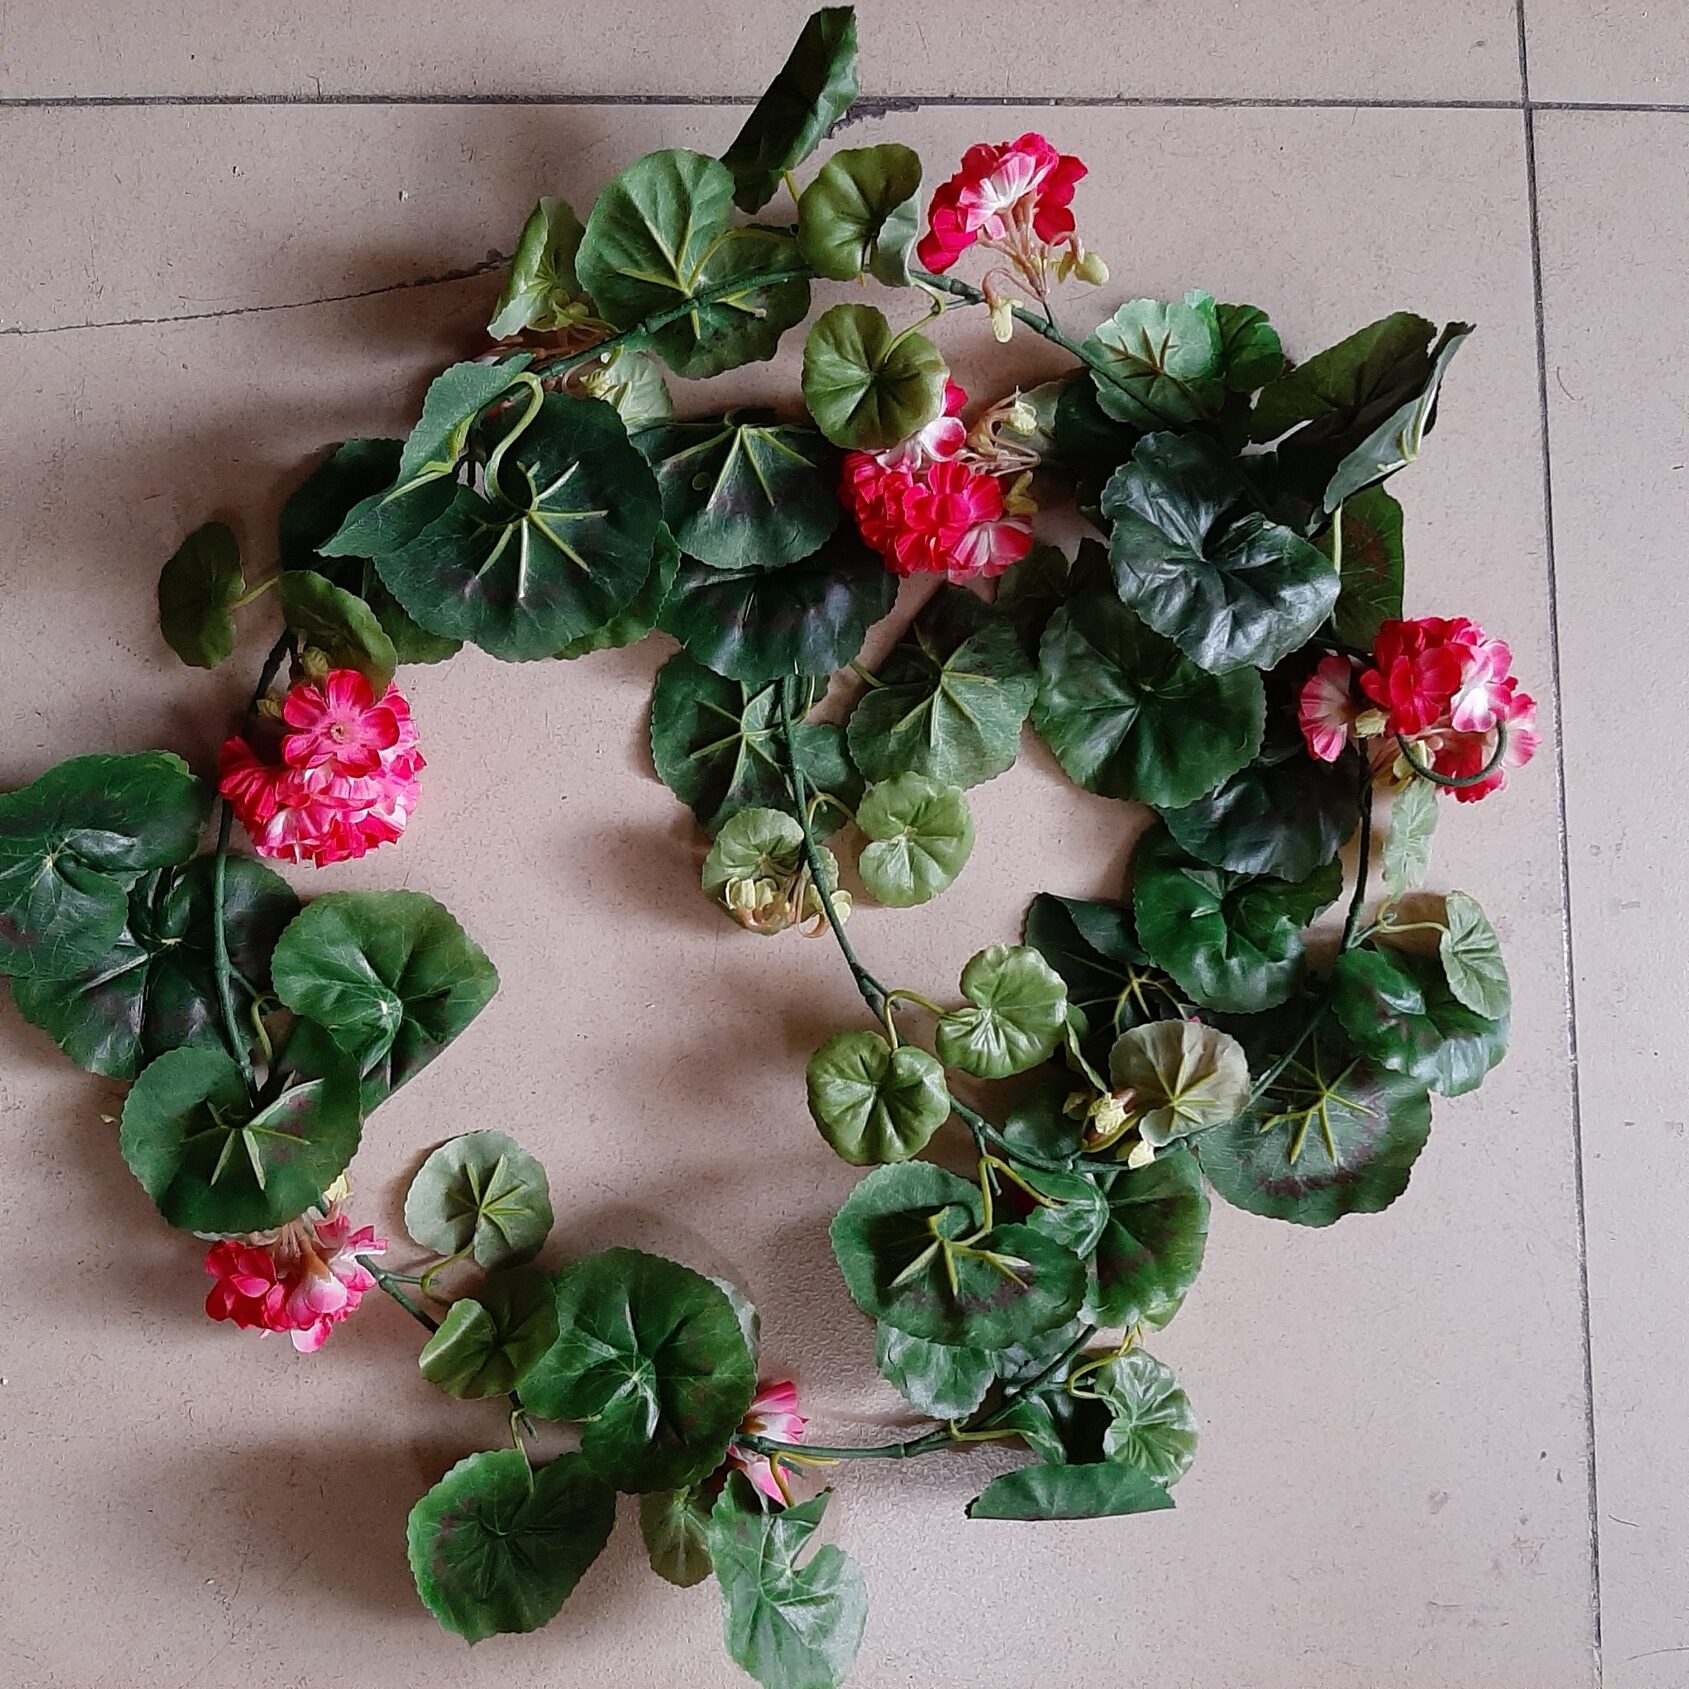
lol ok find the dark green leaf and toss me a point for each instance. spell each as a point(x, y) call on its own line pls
point(72, 843)
point(454, 401)
point(1015, 1016)
point(339, 624)
point(1100, 1490)
point(1365, 541)
point(496, 1548)
point(866, 387)
point(675, 1525)
point(942, 1380)
point(480, 1195)
point(1250, 353)
point(811, 91)
point(920, 833)
point(155, 989)
point(196, 591)
point(542, 290)
point(390, 974)
point(1151, 1249)
point(1031, 593)
point(873, 1103)
point(640, 614)
point(488, 1341)
point(1165, 363)
point(1129, 716)
point(651, 1357)
point(1037, 1121)
point(1094, 947)
point(790, 1626)
point(861, 215)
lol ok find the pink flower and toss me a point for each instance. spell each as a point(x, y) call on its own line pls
point(773, 1413)
point(345, 779)
point(1003, 194)
point(1325, 708)
point(1483, 692)
point(1462, 755)
point(302, 1279)
point(938, 442)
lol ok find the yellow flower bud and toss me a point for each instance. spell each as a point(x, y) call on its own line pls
point(1002, 320)
point(1092, 269)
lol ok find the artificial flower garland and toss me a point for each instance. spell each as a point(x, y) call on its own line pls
point(1230, 651)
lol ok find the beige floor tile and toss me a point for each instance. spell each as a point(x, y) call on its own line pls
point(1390, 49)
point(1616, 301)
point(1635, 51)
point(1392, 1488)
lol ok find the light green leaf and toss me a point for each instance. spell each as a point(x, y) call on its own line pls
point(631, 384)
point(1152, 1428)
point(866, 387)
point(339, 624)
point(1165, 363)
point(675, 1526)
point(480, 1195)
point(435, 446)
point(941, 1380)
point(488, 1341)
point(861, 215)
point(761, 849)
point(1097, 1490)
point(542, 290)
point(1015, 1017)
point(921, 835)
point(1184, 1077)
point(197, 589)
point(1471, 957)
point(1407, 843)
point(873, 1103)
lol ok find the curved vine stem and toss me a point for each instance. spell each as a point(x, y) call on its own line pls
point(1456, 782)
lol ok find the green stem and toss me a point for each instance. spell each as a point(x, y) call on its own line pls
point(391, 1285)
point(1456, 782)
point(1363, 859)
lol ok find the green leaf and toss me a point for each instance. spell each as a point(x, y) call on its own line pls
point(1250, 353)
point(1033, 590)
point(744, 491)
point(861, 215)
point(921, 834)
point(542, 290)
point(435, 446)
point(1151, 1248)
point(675, 1526)
point(1165, 364)
point(496, 1548)
point(1286, 814)
point(631, 384)
point(811, 91)
point(762, 850)
point(480, 1195)
point(488, 1341)
point(1153, 1428)
point(339, 624)
point(873, 1103)
point(866, 387)
point(213, 1164)
point(1074, 1212)
point(1097, 1490)
point(390, 974)
point(651, 1357)
point(1036, 1121)
point(640, 614)
point(1129, 716)
point(1366, 537)
point(72, 843)
point(899, 1244)
point(1335, 1134)
point(718, 746)
point(1015, 1017)
point(790, 1626)
point(1232, 941)
point(941, 1380)
point(951, 699)
point(1471, 958)
point(1089, 443)
point(155, 989)
point(1094, 947)
point(1407, 843)
point(565, 554)
point(660, 235)
point(1398, 1008)
point(757, 624)
point(1229, 588)
point(197, 589)
point(1183, 1076)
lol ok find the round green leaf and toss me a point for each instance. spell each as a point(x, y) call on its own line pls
point(1129, 716)
point(629, 382)
point(639, 615)
point(339, 624)
point(480, 1195)
point(1015, 1018)
point(790, 1626)
point(866, 387)
point(390, 974)
point(1398, 1008)
point(1073, 1212)
point(951, 699)
point(541, 290)
point(1229, 588)
point(898, 1242)
point(675, 1527)
point(744, 491)
point(1250, 352)
point(1471, 958)
point(1037, 1121)
point(941, 1380)
point(1335, 1134)
point(451, 407)
point(921, 834)
point(659, 236)
point(860, 215)
point(1164, 364)
point(1152, 1428)
point(1183, 1076)
point(1233, 942)
point(196, 591)
point(155, 989)
point(71, 844)
point(1098, 1490)
point(495, 1547)
point(763, 845)
point(212, 1164)
point(651, 1357)
point(873, 1103)
point(488, 1341)
point(1151, 1248)
point(567, 551)
point(807, 618)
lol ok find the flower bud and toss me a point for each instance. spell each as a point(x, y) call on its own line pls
point(1092, 269)
point(1140, 1155)
point(1002, 320)
point(1021, 418)
point(1017, 500)
point(1369, 724)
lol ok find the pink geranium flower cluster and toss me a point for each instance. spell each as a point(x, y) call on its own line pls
point(773, 1413)
point(1442, 686)
point(929, 505)
point(341, 782)
point(303, 1279)
point(1009, 195)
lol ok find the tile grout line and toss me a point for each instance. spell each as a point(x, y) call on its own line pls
point(1528, 112)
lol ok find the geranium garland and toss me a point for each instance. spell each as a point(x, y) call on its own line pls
point(1231, 652)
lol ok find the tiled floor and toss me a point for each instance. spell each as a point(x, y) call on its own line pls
point(1443, 1448)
